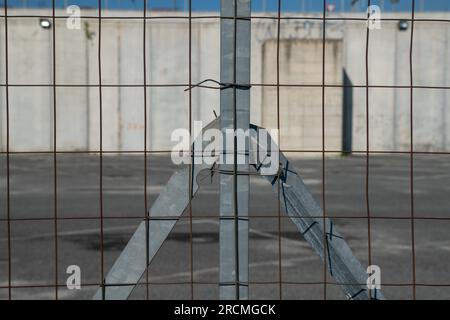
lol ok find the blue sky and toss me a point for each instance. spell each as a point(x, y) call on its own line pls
point(258, 5)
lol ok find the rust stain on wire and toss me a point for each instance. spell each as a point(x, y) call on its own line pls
point(237, 277)
point(8, 186)
point(367, 182)
point(222, 86)
point(191, 166)
point(302, 283)
point(102, 258)
point(201, 17)
point(280, 266)
point(55, 169)
point(146, 212)
point(325, 241)
point(411, 113)
point(120, 216)
point(139, 152)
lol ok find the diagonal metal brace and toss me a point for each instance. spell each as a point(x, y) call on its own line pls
point(164, 214)
point(307, 215)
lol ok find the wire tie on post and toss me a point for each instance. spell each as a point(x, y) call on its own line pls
point(309, 228)
point(357, 294)
point(103, 289)
point(220, 85)
point(213, 170)
point(329, 256)
point(331, 230)
point(375, 294)
point(284, 176)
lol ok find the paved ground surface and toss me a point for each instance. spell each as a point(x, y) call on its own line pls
point(32, 230)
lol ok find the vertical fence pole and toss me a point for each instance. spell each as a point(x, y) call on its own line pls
point(234, 115)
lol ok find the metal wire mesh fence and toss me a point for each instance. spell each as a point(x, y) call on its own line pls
point(107, 210)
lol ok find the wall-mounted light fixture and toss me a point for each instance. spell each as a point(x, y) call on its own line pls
point(45, 23)
point(403, 25)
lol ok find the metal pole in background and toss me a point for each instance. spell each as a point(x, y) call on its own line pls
point(234, 115)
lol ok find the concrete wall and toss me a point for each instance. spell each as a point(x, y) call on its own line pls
point(301, 107)
point(31, 109)
point(389, 64)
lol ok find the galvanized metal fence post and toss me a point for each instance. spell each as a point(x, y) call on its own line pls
point(234, 115)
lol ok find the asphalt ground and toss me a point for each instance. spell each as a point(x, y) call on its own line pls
point(78, 226)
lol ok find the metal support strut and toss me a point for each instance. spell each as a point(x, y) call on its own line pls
point(234, 115)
